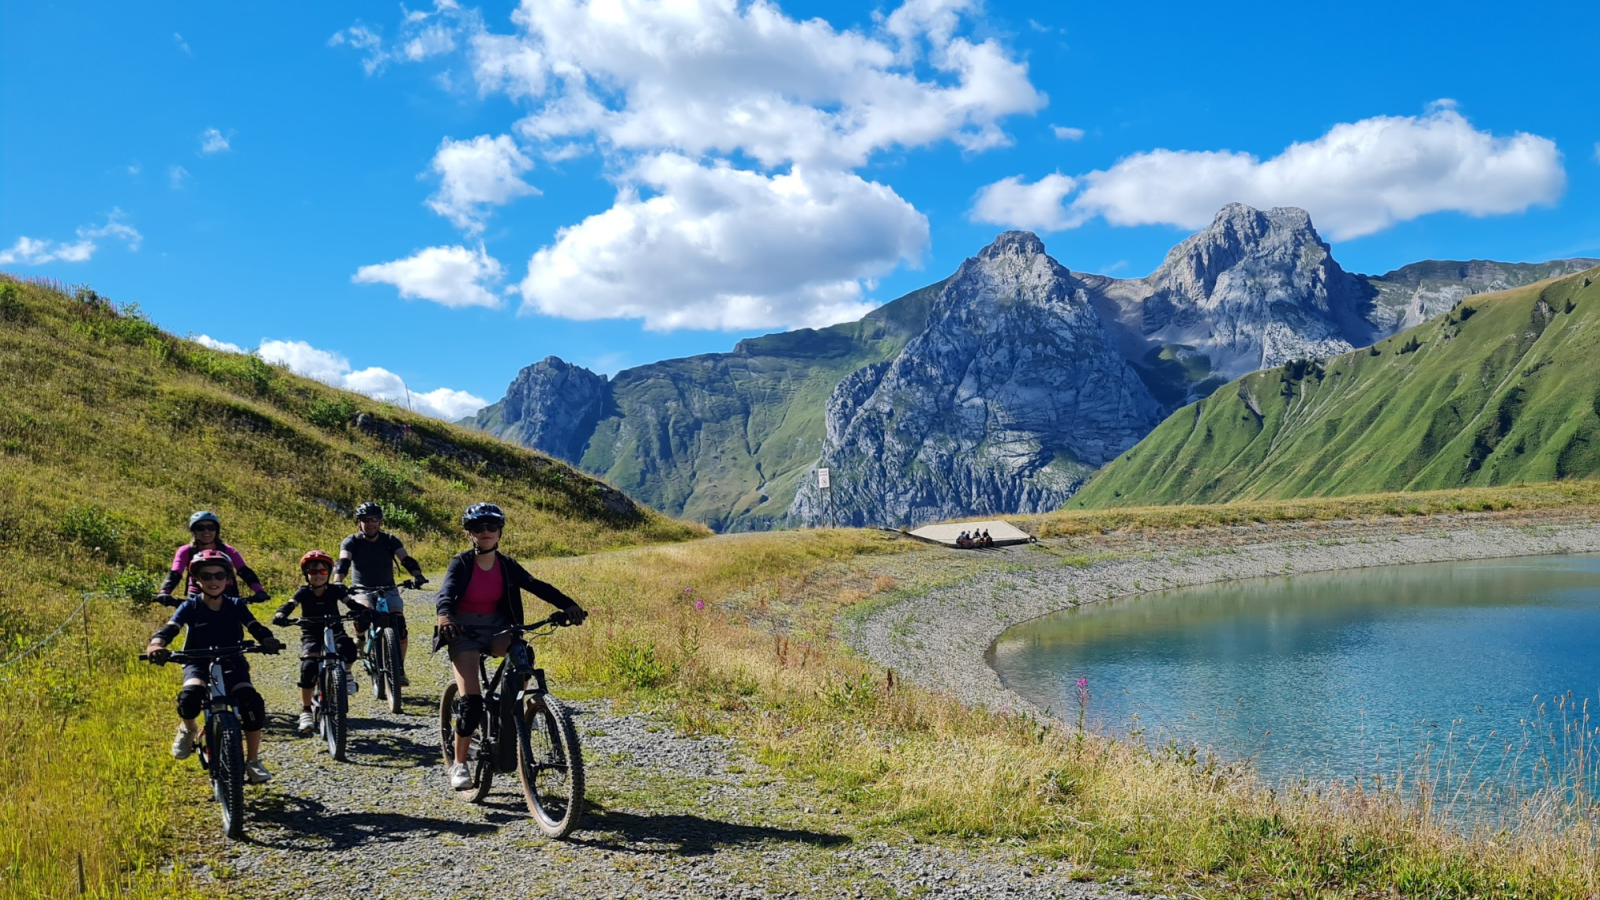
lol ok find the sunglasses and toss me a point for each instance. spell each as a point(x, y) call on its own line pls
point(312, 570)
point(482, 528)
point(204, 528)
point(211, 575)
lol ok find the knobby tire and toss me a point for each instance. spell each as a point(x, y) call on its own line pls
point(391, 667)
point(227, 771)
point(335, 712)
point(551, 766)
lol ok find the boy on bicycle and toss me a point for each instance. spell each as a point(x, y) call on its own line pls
point(318, 598)
point(215, 618)
point(372, 551)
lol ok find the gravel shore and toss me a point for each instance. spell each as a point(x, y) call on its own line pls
point(670, 816)
point(940, 638)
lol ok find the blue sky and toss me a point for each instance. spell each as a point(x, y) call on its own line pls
point(435, 196)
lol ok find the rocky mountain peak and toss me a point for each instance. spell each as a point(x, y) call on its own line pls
point(1013, 245)
point(1239, 232)
point(550, 406)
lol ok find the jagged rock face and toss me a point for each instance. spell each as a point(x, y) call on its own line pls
point(1013, 394)
point(551, 406)
point(1254, 290)
point(1413, 294)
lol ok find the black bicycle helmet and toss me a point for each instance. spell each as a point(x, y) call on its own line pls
point(483, 513)
point(369, 509)
point(205, 515)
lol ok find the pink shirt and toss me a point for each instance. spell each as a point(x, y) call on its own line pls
point(484, 591)
point(180, 563)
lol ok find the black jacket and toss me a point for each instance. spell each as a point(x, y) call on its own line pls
point(516, 578)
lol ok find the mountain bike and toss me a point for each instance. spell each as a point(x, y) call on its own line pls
point(380, 653)
point(222, 748)
point(524, 729)
point(330, 705)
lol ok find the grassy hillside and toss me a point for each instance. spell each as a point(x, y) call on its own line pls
point(111, 433)
point(725, 438)
point(1499, 391)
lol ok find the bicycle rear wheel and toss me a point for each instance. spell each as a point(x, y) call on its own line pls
point(227, 770)
point(335, 706)
point(390, 641)
point(551, 765)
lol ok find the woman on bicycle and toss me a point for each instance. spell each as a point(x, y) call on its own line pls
point(480, 598)
point(206, 529)
point(216, 618)
point(318, 598)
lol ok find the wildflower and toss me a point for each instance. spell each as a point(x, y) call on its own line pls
point(699, 604)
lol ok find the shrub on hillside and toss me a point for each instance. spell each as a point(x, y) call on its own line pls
point(93, 528)
point(133, 585)
point(11, 306)
point(331, 414)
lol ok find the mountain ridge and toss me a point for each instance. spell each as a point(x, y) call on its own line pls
point(732, 439)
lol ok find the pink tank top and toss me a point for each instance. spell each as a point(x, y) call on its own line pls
point(484, 591)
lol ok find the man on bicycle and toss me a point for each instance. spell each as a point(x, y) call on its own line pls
point(372, 552)
point(215, 618)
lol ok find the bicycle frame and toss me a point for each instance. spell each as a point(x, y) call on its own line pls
point(217, 700)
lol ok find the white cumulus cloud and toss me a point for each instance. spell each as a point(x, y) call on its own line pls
point(213, 141)
point(1065, 133)
point(378, 383)
point(1014, 204)
point(36, 252)
point(1359, 178)
point(476, 174)
point(453, 276)
point(719, 247)
point(206, 340)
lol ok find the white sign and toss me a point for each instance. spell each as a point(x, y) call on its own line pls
point(822, 478)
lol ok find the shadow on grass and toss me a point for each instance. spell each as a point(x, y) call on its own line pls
point(306, 825)
point(680, 834)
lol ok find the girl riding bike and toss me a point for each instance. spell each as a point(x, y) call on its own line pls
point(215, 618)
point(481, 597)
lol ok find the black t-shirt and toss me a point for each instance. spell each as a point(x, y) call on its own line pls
point(373, 560)
point(311, 605)
point(208, 628)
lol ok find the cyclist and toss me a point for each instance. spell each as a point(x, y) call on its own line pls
point(372, 551)
point(216, 618)
point(482, 593)
point(207, 531)
point(318, 598)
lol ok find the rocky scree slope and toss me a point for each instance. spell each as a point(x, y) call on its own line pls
point(733, 439)
point(1501, 389)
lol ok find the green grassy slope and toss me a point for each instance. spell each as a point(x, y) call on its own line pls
point(111, 433)
point(1501, 390)
point(724, 438)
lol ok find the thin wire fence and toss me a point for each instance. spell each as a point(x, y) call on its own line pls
point(84, 605)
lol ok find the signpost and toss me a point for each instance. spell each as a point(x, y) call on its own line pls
point(826, 496)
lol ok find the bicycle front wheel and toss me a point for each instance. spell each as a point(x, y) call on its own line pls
point(227, 771)
point(335, 706)
point(390, 641)
point(551, 765)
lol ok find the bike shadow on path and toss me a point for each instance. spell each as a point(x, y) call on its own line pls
point(682, 834)
point(307, 826)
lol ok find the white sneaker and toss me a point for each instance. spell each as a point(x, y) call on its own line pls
point(183, 744)
point(307, 721)
point(256, 773)
point(460, 778)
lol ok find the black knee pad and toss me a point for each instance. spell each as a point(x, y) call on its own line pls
point(308, 672)
point(252, 709)
point(190, 699)
point(469, 714)
point(399, 621)
point(347, 649)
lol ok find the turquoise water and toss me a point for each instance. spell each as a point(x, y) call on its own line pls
point(1453, 668)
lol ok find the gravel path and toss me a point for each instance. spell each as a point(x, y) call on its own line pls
point(669, 816)
point(941, 637)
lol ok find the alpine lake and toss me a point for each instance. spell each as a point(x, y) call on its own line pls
point(1475, 680)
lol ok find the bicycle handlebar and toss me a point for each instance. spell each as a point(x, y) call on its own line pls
point(409, 584)
point(326, 620)
point(554, 620)
point(198, 656)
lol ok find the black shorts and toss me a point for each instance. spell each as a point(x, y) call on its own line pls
point(235, 671)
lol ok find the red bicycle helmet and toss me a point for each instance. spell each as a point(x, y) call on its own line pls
point(315, 556)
